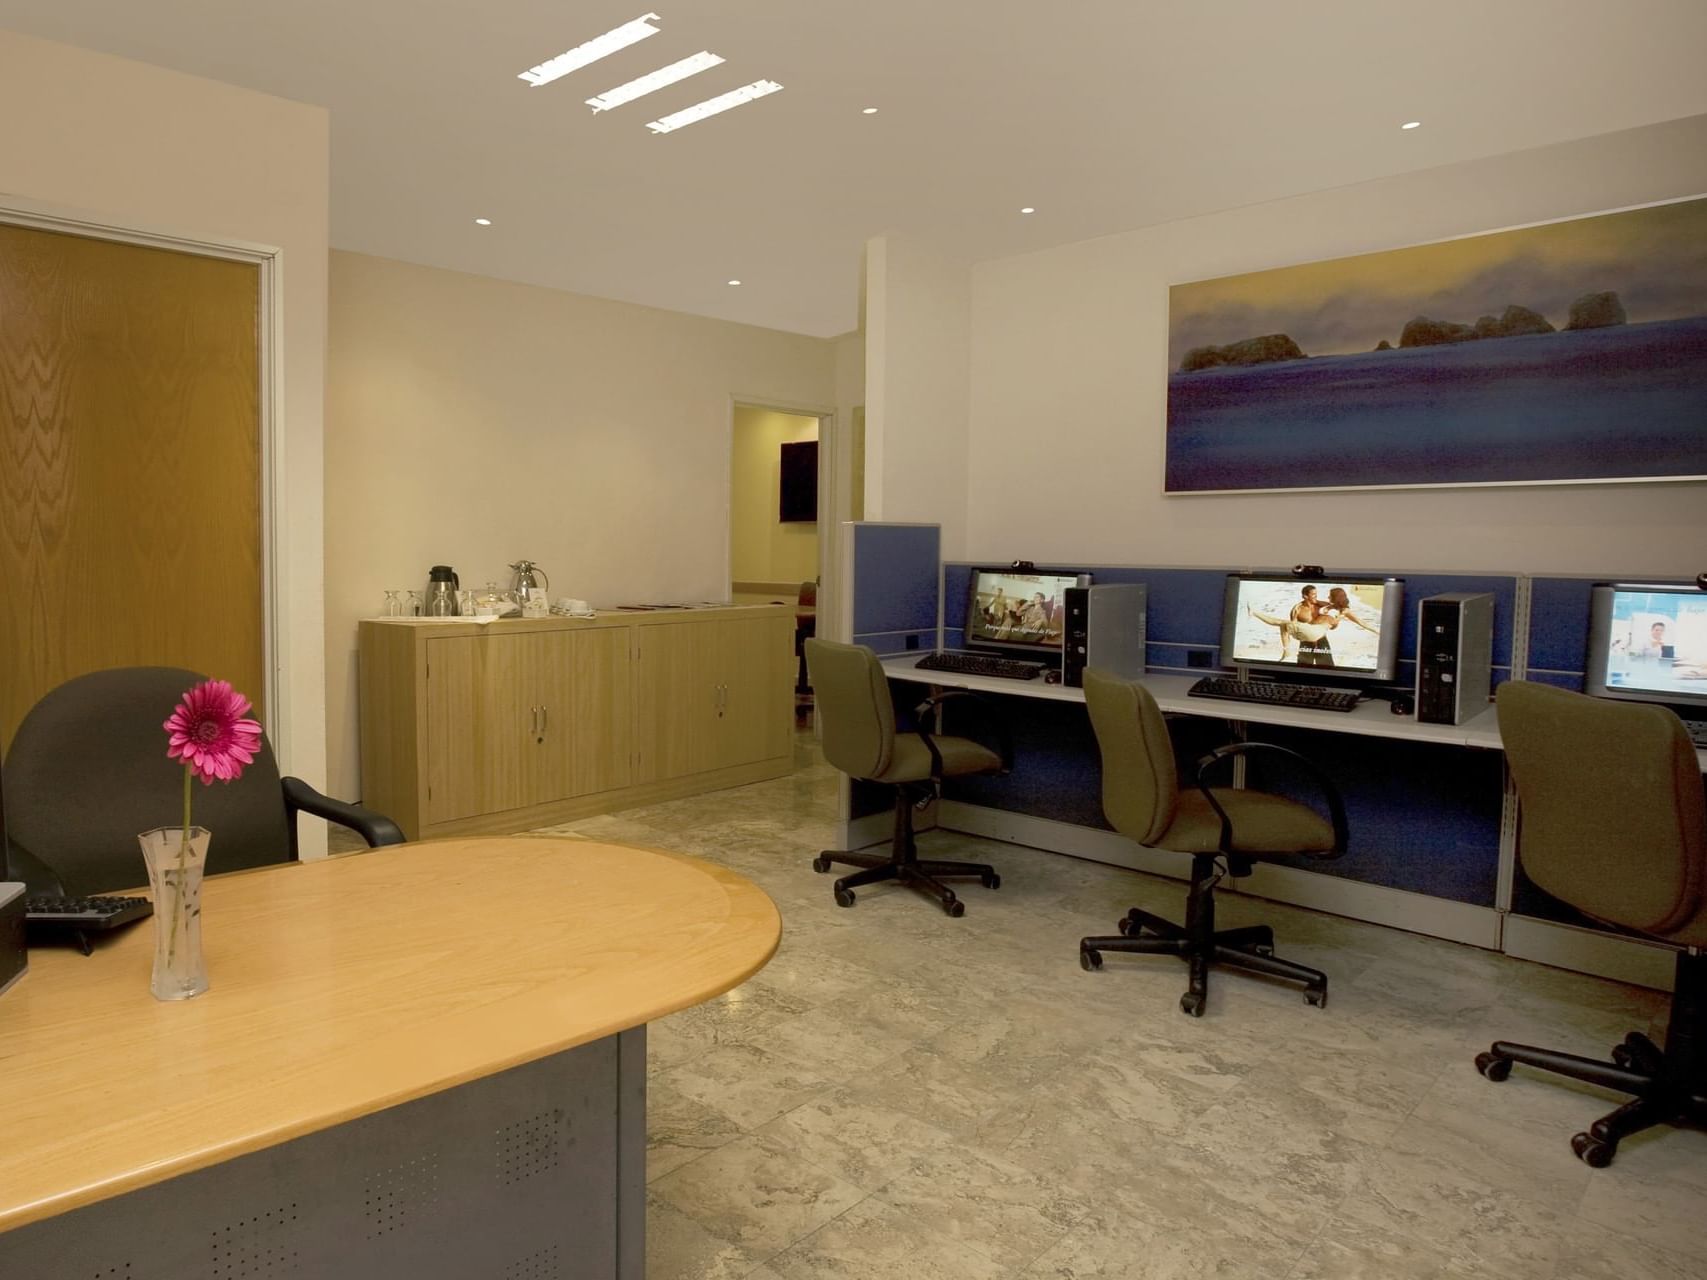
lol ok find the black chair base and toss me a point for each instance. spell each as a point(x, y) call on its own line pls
point(1199, 944)
point(1669, 1085)
point(903, 864)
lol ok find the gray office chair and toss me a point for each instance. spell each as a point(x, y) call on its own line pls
point(857, 720)
point(87, 771)
point(1613, 822)
point(1224, 830)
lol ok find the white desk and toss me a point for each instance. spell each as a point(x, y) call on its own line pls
point(1372, 719)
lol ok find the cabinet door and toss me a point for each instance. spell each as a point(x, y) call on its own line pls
point(601, 722)
point(676, 700)
point(755, 670)
point(478, 742)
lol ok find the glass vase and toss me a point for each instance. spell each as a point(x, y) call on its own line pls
point(175, 869)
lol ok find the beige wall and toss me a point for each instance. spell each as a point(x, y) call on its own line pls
point(761, 547)
point(472, 422)
point(1069, 385)
point(125, 144)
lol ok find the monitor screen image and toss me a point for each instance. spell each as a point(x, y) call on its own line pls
point(1021, 610)
point(1648, 643)
point(1328, 626)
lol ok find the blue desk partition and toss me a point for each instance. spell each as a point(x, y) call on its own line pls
point(895, 573)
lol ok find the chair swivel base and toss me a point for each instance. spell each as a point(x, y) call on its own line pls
point(910, 870)
point(1669, 1085)
point(1250, 948)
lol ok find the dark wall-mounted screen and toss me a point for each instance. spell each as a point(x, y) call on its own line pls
point(799, 499)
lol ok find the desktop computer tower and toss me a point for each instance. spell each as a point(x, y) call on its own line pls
point(1105, 629)
point(1455, 645)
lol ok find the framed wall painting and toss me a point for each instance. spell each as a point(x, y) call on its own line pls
point(1565, 353)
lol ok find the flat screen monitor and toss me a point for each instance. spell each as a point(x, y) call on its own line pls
point(1648, 643)
point(1330, 626)
point(1023, 614)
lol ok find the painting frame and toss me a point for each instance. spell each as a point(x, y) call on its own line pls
point(1274, 377)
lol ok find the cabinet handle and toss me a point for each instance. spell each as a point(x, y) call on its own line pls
point(533, 713)
point(544, 719)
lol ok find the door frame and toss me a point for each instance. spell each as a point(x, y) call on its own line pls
point(41, 216)
point(830, 500)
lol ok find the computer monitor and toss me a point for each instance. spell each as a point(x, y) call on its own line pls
point(1020, 614)
point(1648, 643)
point(1334, 625)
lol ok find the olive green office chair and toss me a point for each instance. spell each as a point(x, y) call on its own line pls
point(857, 721)
point(1224, 830)
point(1613, 822)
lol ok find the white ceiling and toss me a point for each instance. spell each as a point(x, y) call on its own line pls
point(1104, 114)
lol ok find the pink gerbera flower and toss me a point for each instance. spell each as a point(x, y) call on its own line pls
point(210, 734)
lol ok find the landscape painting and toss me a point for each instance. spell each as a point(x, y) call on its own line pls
point(1564, 353)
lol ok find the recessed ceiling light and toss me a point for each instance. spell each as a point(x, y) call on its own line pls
point(598, 47)
point(734, 282)
point(869, 111)
point(1411, 124)
point(652, 81)
point(1028, 209)
point(714, 106)
point(483, 222)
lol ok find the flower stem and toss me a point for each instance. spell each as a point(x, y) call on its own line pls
point(183, 866)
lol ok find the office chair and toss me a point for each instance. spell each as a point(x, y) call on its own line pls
point(805, 627)
point(857, 721)
point(1612, 822)
point(87, 772)
point(1224, 830)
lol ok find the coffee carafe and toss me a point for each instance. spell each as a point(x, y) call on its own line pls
point(529, 582)
point(442, 586)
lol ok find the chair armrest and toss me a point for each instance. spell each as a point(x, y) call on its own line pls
point(926, 714)
point(1336, 805)
point(375, 828)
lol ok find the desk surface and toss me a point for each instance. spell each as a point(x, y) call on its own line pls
point(1372, 719)
point(345, 986)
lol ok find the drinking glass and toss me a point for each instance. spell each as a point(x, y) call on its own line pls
point(393, 606)
point(413, 608)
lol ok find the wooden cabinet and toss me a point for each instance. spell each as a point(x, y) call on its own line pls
point(518, 724)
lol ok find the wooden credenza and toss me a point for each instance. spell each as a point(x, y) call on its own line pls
point(520, 723)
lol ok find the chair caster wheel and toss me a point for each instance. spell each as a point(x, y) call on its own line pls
point(1192, 1002)
point(1316, 998)
point(1129, 928)
point(844, 897)
point(992, 881)
point(1592, 1151)
point(955, 908)
point(1495, 1069)
point(1089, 960)
point(1622, 1057)
point(820, 865)
point(1264, 949)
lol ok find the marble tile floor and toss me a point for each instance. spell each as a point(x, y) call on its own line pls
point(899, 1094)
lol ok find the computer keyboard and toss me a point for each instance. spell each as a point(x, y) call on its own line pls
point(1697, 730)
point(980, 664)
point(1273, 693)
point(90, 914)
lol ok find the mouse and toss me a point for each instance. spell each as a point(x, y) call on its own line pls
point(1402, 706)
point(1051, 676)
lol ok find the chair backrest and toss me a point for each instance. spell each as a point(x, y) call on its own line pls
point(855, 716)
point(87, 772)
point(1613, 819)
point(808, 592)
point(1140, 786)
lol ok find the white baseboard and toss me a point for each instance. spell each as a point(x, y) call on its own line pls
point(1605, 955)
point(1377, 904)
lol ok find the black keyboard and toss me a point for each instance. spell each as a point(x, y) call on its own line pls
point(979, 664)
point(1697, 731)
point(92, 914)
point(1273, 693)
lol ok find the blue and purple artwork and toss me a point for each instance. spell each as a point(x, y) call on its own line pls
point(1565, 353)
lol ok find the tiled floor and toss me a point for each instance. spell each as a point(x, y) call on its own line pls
point(903, 1095)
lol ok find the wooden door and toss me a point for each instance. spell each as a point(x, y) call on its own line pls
point(601, 720)
point(676, 700)
point(481, 753)
point(130, 468)
point(754, 657)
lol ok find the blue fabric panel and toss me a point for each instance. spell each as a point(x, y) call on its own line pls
point(1559, 679)
point(1419, 586)
point(889, 644)
point(1558, 624)
point(954, 638)
point(1422, 816)
point(895, 578)
point(956, 583)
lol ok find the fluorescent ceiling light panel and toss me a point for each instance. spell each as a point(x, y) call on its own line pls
point(714, 106)
point(654, 80)
point(598, 47)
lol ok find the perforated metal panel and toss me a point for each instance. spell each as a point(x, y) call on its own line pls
point(534, 1174)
